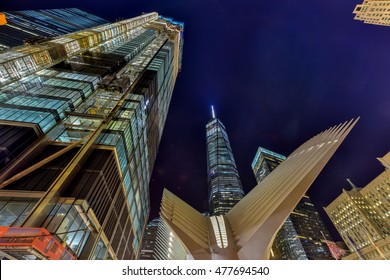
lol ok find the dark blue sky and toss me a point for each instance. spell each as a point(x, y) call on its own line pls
point(278, 72)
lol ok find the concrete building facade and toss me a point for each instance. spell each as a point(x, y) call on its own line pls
point(373, 12)
point(362, 217)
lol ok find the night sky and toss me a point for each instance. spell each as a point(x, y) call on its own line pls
point(278, 73)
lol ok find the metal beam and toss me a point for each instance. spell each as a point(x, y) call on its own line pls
point(41, 163)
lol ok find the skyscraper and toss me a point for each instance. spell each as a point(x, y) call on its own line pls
point(303, 235)
point(161, 243)
point(264, 162)
point(17, 27)
point(248, 229)
point(148, 246)
point(362, 217)
point(373, 12)
point(81, 118)
point(225, 188)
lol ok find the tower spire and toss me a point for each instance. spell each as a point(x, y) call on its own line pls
point(212, 112)
point(352, 184)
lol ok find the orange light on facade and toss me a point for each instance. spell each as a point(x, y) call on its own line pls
point(38, 239)
point(3, 20)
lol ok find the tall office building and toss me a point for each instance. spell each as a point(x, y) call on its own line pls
point(362, 217)
point(303, 236)
point(19, 27)
point(149, 240)
point(373, 12)
point(265, 162)
point(248, 229)
point(81, 117)
point(225, 188)
point(161, 243)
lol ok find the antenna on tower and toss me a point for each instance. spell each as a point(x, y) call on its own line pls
point(352, 184)
point(212, 112)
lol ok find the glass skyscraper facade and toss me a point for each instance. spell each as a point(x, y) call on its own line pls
point(35, 25)
point(148, 246)
point(264, 162)
point(225, 188)
point(81, 118)
point(303, 235)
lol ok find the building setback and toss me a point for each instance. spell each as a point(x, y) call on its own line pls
point(81, 118)
point(225, 188)
point(17, 27)
point(362, 217)
point(302, 236)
